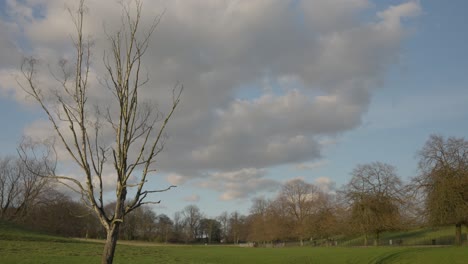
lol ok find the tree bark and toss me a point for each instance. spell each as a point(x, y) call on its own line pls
point(111, 244)
point(458, 234)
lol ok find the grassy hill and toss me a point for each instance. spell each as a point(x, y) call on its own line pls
point(13, 232)
point(421, 236)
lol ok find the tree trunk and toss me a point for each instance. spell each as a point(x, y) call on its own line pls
point(377, 238)
point(111, 243)
point(458, 234)
point(365, 240)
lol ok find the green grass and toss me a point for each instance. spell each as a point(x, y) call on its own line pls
point(22, 246)
point(13, 232)
point(421, 236)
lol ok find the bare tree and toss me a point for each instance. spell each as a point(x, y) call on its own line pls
point(236, 227)
point(164, 226)
point(258, 220)
point(210, 229)
point(266, 222)
point(191, 217)
point(444, 181)
point(137, 128)
point(56, 213)
point(140, 224)
point(224, 221)
point(20, 187)
point(375, 194)
point(178, 227)
point(301, 201)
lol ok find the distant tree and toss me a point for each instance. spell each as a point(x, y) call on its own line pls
point(20, 186)
point(136, 126)
point(301, 201)
point(191, 217)
point(164, 227)
point(259, 230)
point(57, 213)
point(210, 230)
point(238, 230)
point(179, 228)
point(325, 221)
point(140, 224)
point(223, 219)
point(375, 194)
point(443, 164)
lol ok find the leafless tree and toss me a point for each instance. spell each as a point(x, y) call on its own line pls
point(224, 221)
point(375, 194)
point(20, 187)
point(137, 128)
point(301, 201)
point(140, 224)
point(259, 220)
point(191, 216)
point(443, 164)
point(57, 213)
point(178, 226)
point(164, 227)
point(210, 229)
point(237, 229)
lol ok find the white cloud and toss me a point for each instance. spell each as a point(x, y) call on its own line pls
point(192, 198)
point(394, 14)
point(176, 179)
point(311, 165)
point(312, 66)
point(241, 184)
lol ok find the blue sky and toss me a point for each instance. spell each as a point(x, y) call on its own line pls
point(258, 108)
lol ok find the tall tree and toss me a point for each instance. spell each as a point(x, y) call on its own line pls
point(237, 227)
point(375, 194)
point(223, 219)
point(164, 227)
point(443, 164)
point(301, 201)
point(191, 216)
point(137, 127)
point(210, 229)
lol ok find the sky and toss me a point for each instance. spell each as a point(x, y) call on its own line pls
point(274, 89)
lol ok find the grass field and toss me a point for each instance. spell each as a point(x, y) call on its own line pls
point(422, 236)
point(20, 246)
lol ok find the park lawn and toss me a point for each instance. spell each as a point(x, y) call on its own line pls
point(18, 245)
point(82, 252)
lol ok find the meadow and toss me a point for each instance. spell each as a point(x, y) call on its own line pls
point(21, 246)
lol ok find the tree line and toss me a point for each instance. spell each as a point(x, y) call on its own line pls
point(374, 200)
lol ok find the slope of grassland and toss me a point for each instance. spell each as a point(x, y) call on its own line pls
point(421, 236)
point(12, 232)
point(18, 245)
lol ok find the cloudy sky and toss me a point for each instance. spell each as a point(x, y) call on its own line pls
point(274, 89)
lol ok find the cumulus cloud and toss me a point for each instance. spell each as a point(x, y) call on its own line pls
point(311, 165)
point(267, 83)
point(192, 198)
point(240, 184)
point(176, 179)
